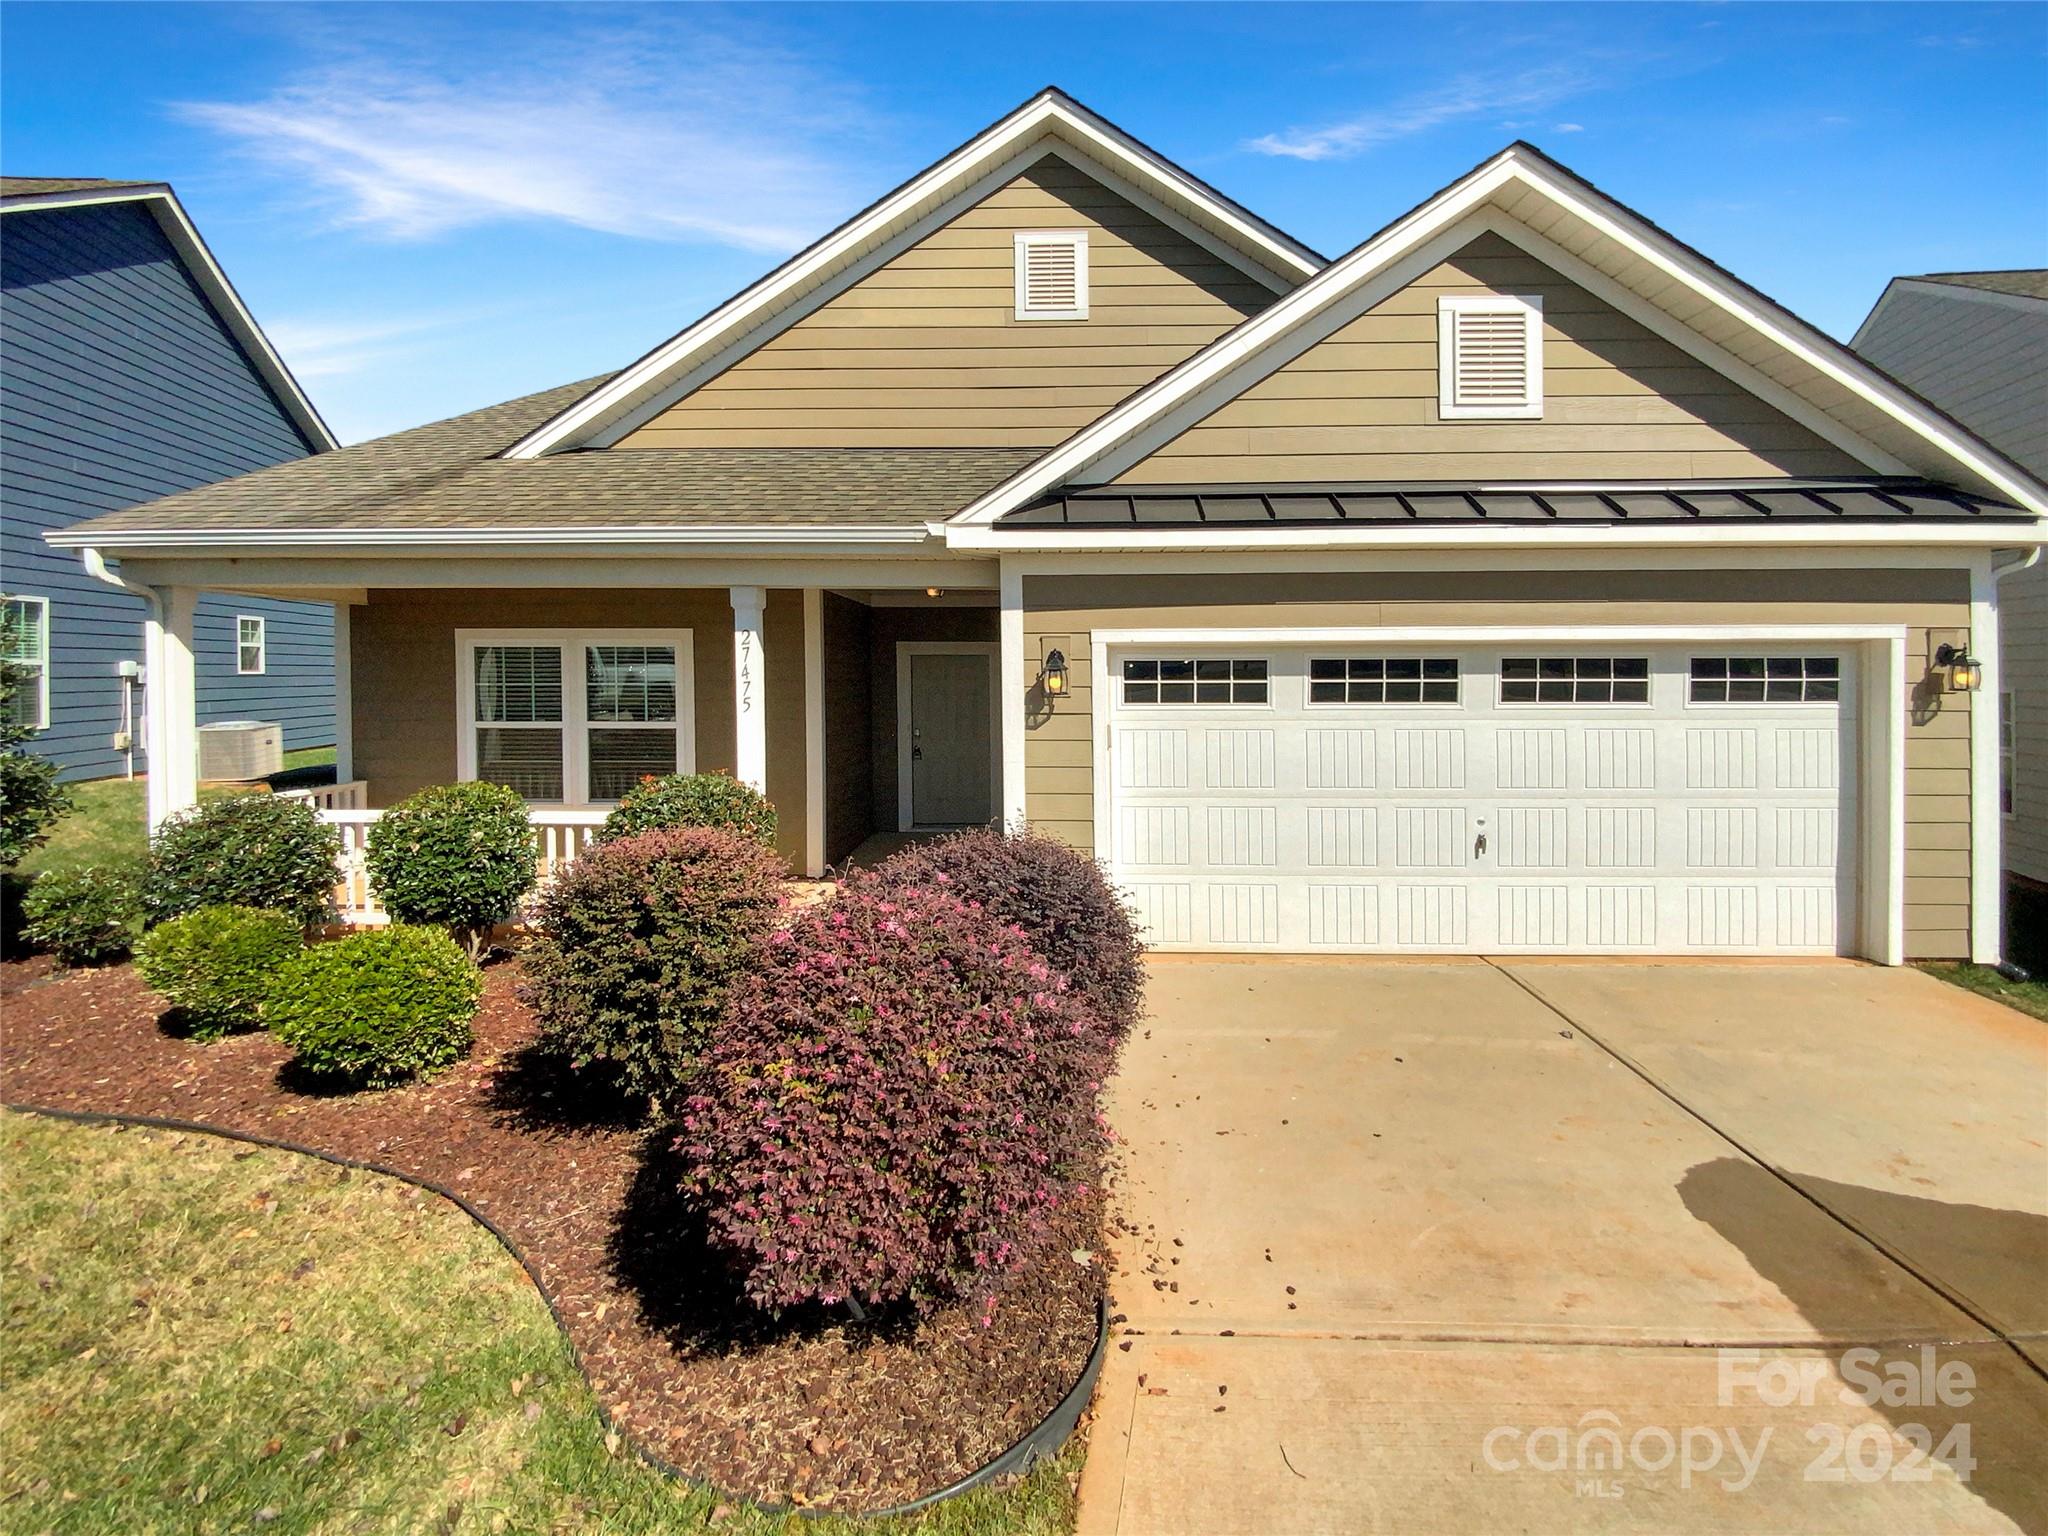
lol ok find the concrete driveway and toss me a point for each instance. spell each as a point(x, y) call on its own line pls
point(1409, 1237)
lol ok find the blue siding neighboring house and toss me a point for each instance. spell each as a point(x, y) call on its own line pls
point(129, 370)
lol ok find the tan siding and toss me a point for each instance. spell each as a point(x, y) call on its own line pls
point(1620, 402)
point(2023, 629)
point(402, 651)
point(926, 351)
point(1063, 610)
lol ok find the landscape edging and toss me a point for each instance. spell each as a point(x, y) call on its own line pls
point(1043, 1439)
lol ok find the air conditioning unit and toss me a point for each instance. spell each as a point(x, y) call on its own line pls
point(240, 749)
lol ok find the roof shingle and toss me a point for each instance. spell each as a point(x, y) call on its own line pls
point(448, 475)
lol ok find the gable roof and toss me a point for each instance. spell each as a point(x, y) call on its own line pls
point(26, 194)
point(445, 482)
point(1572, 226)
point(1050, 122)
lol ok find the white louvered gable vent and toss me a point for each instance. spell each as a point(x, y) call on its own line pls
point(1052, 275)
point(1490, 356)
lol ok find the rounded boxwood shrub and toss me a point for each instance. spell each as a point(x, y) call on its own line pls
point(899, 1095)
point(84, 916)
point(255, 850)
point(377, 1007)
point(215, 966)
point(638, 941)
point(692, 800)
point(456, 856)
point(1060, 898)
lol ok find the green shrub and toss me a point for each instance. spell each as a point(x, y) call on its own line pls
point(638, 941)
point(377, 1007)
point(457, 856)
point(692, 800)
point(215, 966)
point(255, 850)
point(84, 916)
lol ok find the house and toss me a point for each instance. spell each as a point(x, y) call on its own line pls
point(1517, 581)
point(133, 371)
point(1976, 344)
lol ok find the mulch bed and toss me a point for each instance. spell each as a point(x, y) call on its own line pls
point(814, 1410)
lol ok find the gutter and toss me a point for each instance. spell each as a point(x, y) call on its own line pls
point(96, 567)
point(472, 542)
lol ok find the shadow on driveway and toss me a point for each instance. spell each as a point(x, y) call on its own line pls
point(1738, 1199)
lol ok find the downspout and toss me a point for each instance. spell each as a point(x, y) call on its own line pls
point(96, 567)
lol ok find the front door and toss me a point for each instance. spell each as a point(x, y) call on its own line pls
point(948, 725)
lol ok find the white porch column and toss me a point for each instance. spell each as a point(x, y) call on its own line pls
point(814, 731)
point(173, 685)
point(1011, 689)
point(1987, 816)
point(749, 696)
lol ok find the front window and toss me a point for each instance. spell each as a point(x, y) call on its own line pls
point(249, 658)
point(25, 647)
point(578, 718)
point(1575, 680)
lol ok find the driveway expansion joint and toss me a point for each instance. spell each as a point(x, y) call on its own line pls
point(1940, 1288)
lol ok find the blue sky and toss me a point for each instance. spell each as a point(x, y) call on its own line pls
point(434, 207)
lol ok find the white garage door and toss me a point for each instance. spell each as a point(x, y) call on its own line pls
point(1523, 798)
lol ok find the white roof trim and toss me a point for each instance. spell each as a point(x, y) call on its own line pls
point(1049, 121)
point(1997, 534)
point(184, 236)
point(1237, 359)
point(637, 533)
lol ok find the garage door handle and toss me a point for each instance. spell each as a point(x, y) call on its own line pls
point(1478, 845)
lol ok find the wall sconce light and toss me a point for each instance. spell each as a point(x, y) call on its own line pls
point(934, 591)
point(1965, 672)
point(1053, 676)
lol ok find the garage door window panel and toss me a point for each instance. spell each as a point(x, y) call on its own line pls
point(1197, 680)
point(1764, 680)
point(1383, 680)
point(1575, 680)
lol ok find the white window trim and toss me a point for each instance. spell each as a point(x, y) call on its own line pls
point(1529, 307)
point(41, 661)
point(1335, 653)
point(906, 810)
point(1199, 653)
point(575, 724)
point(1078, 239)
point(261, 642)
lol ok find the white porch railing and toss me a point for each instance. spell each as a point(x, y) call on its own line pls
point(332, 797)
point(560, 835)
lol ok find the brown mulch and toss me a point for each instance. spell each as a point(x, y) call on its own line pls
point(815, 1410)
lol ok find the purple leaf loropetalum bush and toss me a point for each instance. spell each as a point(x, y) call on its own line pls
point(637, 942)
point(900, 1095)
point(1058, 895)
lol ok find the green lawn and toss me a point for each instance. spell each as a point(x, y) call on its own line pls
point(2030, 997)
point(106, 824)
point(200, 1336)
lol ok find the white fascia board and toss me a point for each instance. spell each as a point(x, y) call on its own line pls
point(1463, 537)
point(1030, 128)
point(1247, 342)
point(492, 541)
point(185, 238)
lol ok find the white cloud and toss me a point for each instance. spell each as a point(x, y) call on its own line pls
point(1467, 96)
point(326, 348)
point(1568, 128)
point(659, 130)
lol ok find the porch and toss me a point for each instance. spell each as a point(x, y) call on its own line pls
point(863, 713)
